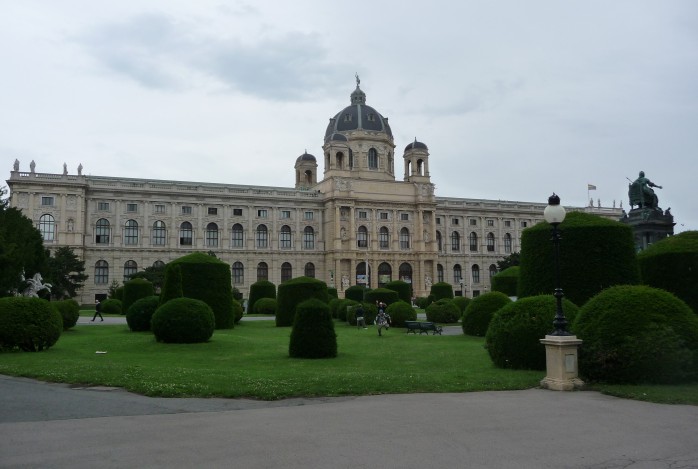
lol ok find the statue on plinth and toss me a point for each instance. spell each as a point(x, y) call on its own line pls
point(640, 193)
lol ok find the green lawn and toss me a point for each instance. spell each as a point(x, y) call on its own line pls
point(252, 361)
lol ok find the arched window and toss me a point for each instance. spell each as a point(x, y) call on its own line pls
point(101, 273)
point(362, 237)
point(405, 272)
point(385, 274)
point(262, 237)
point(159, 233)
point(507, 243)
point(493, 270)
point(310, 270)
point(237, 240)
point(130, 268)
point(158, 264)
point(362, 277)
point(383, 238)
point(455, 241)
point(262, 271)
point(439, 273)
point(131, 233)
point(285, 237)
point(438, 241)
point(340, 160)
point(457, 273)
point(186, 234)
point(473, 241)
point(476, 273)
point(102, 230)
point(212, 235)
point(47, 227)
point(286, 271)
point(372, 158)
point(404, 238)
point(238, 273)
point(308, 238)
point(490, 242)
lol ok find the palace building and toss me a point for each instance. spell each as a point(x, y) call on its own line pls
point(358, 223)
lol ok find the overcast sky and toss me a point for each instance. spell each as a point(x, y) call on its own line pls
point(515, 99)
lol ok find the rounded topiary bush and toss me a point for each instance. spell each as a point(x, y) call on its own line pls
point(134, 290)
point(443, 311)
point(332, 293)
point(403, 289)
point(478, 314)
point(672, 265)
point(141, 312)
point(333, 303)
point(69, 311)
point(595, 253)
point(295, 291)
point(313, 335)
point(423, 301)
point(507, 281)
point(111, 306)
point(637, 334)
point(400, 312)
point(265, 306)
point(183, 321)
point(355, 292)
point(343, 308)
point(513, 336)
point(370, 313)
point(28, 324)
point(385, 295)
point(441, 290)
point(208, 279)
point(461, 302)
point(237, 311)
point(258, 290)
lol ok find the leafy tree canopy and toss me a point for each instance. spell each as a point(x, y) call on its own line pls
point(511, 260)
point(153, 274)
point(66, 273)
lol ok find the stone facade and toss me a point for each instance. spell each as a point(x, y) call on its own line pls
point(357, 213)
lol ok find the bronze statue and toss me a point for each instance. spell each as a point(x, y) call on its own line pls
point(640, 193)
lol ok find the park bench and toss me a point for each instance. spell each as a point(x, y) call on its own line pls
point(423, 327)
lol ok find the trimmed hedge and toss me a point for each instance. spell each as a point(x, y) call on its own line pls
point(513, 336)
point(370, 313)
point(28, 324)
point(208, 279)
point(385, 295)
point(342, 308)
point(332, 293)
point(440, 290)
point(637, 334)
point(478, 314)
point(141, 312)
point(265, 306)
point(313, 335)
point(111, 306)
point(507, 281)
point(183, 321)
point(672, 265)
point(355, 292)
point(400, 312)
point(135, 290)
point(69, 311)
point(443, 311)
point(595, 253)
point(461, 302)
point(295, 291)
point(403, 289)
point(258, 290)
point(237, 311)
point(172, 286)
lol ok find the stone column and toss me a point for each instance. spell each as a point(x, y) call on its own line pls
point(561, 363)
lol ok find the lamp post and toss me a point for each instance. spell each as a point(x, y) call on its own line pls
point(462, 288)
point(554, 214)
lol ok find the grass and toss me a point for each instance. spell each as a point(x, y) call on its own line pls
point(252, 361)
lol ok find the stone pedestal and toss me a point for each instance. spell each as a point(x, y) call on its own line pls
point(561, 363)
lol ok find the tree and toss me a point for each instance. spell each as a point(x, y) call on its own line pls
point(66, 273)
point(511, 260)
point(21, 248)
point(153, 274)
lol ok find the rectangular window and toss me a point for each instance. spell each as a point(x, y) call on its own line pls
point(262, 213)
point(404, 216)
point(473, 222)
point(308, 215)
point(363, 215)
point(285, 214)
point(159, 209)
point(384, 215)
point(524, 224)
point(507, 223)
point(454, 221)
point(438, 220)
point(103, 206)
point(212, 211)
point(47, 201)
point(186, 210)
point(237, 212)
point(131, 207)
point(490, 222)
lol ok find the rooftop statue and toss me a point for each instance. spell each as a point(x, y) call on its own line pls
point(640, 193)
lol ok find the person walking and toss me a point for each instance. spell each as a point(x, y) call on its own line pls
point(98, 311)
